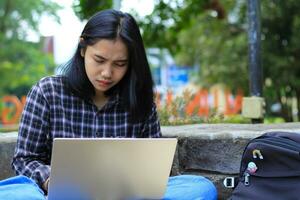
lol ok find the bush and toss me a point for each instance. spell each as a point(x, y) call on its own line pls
point(174, 113)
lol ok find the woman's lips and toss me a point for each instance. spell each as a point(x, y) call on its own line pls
point(104, 83)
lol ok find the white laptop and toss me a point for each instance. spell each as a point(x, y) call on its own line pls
point(110, 168)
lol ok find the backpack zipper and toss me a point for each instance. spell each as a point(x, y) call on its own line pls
point(246, 179)
point(282, 139)
point(281, 143)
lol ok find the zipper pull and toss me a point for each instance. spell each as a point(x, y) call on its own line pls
point(256, 153)
point(247, 175)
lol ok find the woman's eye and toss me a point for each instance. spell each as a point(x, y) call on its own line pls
point(99, 61)
point(121, 64)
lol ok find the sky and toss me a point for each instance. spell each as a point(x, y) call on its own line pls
point(66, 33)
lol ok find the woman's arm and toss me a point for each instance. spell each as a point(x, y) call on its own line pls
point(32, 156)
point(151, 127)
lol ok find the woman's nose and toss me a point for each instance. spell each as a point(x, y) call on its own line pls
point(106, 72)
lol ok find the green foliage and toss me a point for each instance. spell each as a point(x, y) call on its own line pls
point(220, 54)
point(17, 16)
point(273, 120)
point(19, 70)
point(160, 29)
point(209, 34)
point(280, 51)
point(1, 108)
point(84, 9)
point(213, 36)
point(22, 63)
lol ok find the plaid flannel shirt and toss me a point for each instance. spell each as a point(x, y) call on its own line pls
point(51, 111)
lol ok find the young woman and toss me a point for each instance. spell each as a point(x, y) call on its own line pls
point(106, 90)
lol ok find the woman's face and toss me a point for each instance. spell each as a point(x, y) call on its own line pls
point(106, 63)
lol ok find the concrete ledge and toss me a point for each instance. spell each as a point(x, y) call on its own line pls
point(210, 150)
point(7, 147)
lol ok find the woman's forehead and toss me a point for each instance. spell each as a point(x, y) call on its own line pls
point(109, 49)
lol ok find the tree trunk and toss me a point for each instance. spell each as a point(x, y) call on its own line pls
point(298, 103)
point(285, 113)
point(3, 21)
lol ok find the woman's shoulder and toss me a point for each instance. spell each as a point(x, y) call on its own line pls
point(52, 83)
point(52, 80)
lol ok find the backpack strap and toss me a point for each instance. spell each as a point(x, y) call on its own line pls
point(230, 182)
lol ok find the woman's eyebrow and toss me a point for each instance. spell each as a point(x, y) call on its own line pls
point(101, 57)
point(118, 60)
point(121, 60)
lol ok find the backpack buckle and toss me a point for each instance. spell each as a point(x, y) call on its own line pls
point(229, 182)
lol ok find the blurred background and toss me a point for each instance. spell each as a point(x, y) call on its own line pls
point(197, 50)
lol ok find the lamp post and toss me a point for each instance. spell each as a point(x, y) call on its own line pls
point(253, 106)
point(254, 48)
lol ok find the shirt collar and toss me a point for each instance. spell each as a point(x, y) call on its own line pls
point(112, 101)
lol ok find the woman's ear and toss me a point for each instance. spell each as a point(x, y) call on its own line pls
point(82, 51)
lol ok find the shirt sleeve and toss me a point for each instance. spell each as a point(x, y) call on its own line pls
point(32, 157)
point(151, 127)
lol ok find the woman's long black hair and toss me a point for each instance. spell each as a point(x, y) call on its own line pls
point(136, 87)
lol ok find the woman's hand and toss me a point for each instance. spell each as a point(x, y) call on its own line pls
point(45, 185)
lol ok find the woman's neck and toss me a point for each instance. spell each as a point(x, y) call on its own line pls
point(100, 99)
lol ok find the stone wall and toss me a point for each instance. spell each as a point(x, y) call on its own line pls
point(210, 150)
point(7, 146)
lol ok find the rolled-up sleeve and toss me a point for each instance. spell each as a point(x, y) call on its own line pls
point(32, 156)
point(151, 127)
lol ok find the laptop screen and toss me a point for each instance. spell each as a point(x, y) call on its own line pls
point(110, 168)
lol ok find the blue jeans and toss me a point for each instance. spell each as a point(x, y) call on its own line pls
point(184, 187)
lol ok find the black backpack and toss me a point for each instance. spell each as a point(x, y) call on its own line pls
point(270, 168)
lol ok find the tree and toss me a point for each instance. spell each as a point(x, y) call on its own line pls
point(169, 17)
point(281, 53)
point(210, 34)
point(22, 62)
point(213, 35)
point(218, 46)
point(84, 9)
